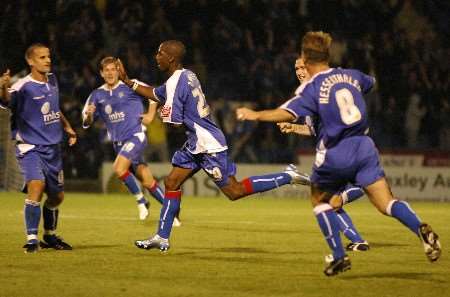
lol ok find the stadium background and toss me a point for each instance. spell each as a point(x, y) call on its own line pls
point(243, 52)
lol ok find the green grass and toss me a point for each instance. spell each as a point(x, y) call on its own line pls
point(253, 247)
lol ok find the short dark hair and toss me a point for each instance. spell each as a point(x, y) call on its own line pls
point(316, 47)
point(105, 61)
point(31, 49)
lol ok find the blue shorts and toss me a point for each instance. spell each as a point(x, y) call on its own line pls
point(132, 149)
point(354, 160)
point(42, 162)
point(217, 165)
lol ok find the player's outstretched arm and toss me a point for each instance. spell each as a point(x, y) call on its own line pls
point(294, 128)
point(144, 91)
point(68, 129)
point(5, 83)
point(270, 115)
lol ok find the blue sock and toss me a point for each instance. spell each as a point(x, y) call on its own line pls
point(329, 225)
point(403, 212)
point(347, 227)
point(32, 213)
point(351, 193)
point(156, 192)
point(130, 182)
point(170, 209)
point(262, 183)
point(50, 216)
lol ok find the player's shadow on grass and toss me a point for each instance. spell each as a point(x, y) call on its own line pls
point(395, 275)
point(247, 229)
point(386, 244)
point(96, 246)
point(237, 250)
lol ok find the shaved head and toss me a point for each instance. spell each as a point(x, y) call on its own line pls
point(175, 49)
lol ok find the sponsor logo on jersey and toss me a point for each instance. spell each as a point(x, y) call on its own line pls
point(116, 116)
point(49, 116)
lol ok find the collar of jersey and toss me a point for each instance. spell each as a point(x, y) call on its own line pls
point(37, 81)
point(303, 85)
point(105, 86)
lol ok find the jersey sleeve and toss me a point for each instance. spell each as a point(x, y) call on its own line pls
point(367, 82)
point(301, 106)
point(177, 92)
point(160, 93)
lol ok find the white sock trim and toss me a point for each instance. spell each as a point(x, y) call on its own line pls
point(32, 237)
point(321, 208)
point(389, 207)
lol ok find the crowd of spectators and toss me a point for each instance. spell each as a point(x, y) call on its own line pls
point(244, 51)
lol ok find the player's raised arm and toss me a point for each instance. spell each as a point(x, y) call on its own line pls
point(144, 91)
point(270, 115)
point(5, 83)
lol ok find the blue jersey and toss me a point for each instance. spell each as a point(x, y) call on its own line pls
point(35, 113)
point(334, 99)
point(120, 109)
point(184, 103)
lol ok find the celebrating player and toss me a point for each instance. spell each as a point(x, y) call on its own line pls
point(334, 97)
point(121, 109)
point(184, 105)
point(37, 125)
point(349, 194)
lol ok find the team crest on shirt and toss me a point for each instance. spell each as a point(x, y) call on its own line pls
point(121, 94)
point(108, 109)
point(165, 111)
point(45, 108)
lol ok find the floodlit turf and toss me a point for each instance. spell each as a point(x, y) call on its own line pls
point(253, 247)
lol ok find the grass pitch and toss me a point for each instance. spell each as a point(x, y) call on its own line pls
point(252, 247)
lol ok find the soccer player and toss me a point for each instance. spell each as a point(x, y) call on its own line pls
point(37, 126)
point(183, 104)
point(121, 109)
point(334, 97)
point(349, 194)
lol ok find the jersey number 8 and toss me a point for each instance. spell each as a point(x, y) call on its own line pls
point(202, 106)
point(349, 111)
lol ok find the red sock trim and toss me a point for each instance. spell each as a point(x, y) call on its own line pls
point(247, 183)
point(153, 186)
point(173, 194)
point(125, 175)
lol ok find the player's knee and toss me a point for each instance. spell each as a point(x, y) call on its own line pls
point(170, 184)
point(119, 171)
point(54, 200)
